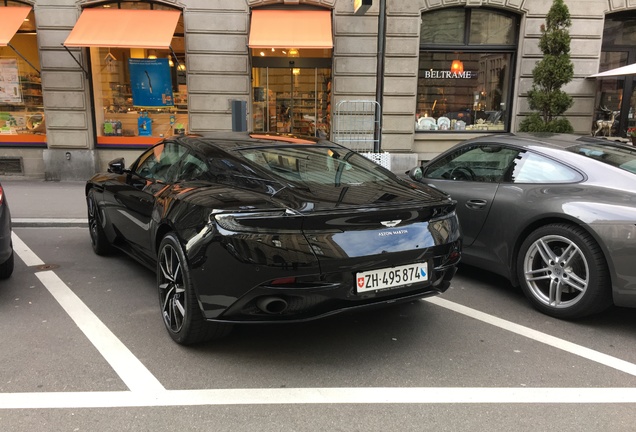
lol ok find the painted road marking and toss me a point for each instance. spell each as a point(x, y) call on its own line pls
point(23, 251)
point(132, 372)
point(296, 396)
point(572, 348)
point(146, 391)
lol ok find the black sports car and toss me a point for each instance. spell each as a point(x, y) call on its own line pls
point(270, 228)
point(6, 245)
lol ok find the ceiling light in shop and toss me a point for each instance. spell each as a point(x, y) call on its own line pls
point(457, 66)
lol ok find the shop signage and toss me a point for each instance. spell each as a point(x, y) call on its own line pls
point(150, 82)
point(437, 74)
point(10, 91)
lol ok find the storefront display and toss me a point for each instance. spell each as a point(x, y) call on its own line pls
point(465, 71)
point(137, 53)
point(291, 53)
point(292, 101)
point(22, 120)
point(139, 97)
point(615, 104)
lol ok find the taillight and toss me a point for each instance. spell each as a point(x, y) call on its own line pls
point(284, 281)
point(1, 195)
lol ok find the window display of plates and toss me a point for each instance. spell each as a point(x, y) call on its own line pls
point(426, 123)
point(443, 123)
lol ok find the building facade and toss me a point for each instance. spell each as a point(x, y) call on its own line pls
point(83, 82)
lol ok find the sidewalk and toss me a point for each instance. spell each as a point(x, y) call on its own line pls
point(35, 202)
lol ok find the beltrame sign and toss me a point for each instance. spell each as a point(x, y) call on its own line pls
point(444, 74)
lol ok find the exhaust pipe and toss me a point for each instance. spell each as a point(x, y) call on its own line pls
point(272, 305)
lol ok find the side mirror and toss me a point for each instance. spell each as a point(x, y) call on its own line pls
point(416, 174)
point(117, 166)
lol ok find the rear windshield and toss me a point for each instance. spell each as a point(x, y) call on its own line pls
point(315, 164)
point(624, 158)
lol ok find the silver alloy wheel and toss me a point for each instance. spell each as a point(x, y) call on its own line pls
point(172, 289)
point(556, 271)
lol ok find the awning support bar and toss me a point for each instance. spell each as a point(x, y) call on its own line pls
point(76, 61)
point(24, 58)
point(176, 60)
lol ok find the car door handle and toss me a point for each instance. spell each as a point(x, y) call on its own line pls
point(476, 204)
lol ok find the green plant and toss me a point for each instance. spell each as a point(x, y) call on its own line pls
point(550, 74)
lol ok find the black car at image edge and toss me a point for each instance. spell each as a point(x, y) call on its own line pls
point(247, 228)
point(6, 244)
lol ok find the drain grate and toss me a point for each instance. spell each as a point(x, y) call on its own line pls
point(11, 165)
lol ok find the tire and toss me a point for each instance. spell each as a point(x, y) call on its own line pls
point(98, 237)
point(6, 268)
point(180, 309)
point(563, 272)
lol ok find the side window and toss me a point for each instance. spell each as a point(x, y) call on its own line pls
point(534, 168)
point(159, 162)
point(191, 168)
point(482, 163)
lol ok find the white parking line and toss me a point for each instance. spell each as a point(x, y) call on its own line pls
point(595, 356)
point(146, 391)
point(23, 251)
point(132, 372)
point(344, 395)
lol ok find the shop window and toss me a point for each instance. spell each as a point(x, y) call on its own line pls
point(22, 121)
point(140, 93)
point(292, 100)
point(465, 70)
point(291, 55)
point(615, 105)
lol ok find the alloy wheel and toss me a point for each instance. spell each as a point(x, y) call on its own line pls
point(172, 289)
point(556, 271)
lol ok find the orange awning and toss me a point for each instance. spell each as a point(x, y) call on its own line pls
point(124, 28)
point(291, 29)
point(12, 19)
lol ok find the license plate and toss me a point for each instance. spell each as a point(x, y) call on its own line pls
point(391, 277)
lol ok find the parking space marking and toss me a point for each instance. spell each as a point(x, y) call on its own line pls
point(23, 251)
point(572, 348)
point(147, 391)
point(333, 395)
point(131, 371)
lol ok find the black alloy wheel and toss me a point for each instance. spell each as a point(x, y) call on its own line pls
point(563, 272)
point(98, 238)
point(179, 307)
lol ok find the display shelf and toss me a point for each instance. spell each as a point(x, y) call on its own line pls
point(27, 116)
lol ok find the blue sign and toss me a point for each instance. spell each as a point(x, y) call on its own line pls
point(150, 82)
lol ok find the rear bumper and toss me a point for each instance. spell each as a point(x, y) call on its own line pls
point(308, 301)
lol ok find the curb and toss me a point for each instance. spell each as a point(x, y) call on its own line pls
point(49, 222)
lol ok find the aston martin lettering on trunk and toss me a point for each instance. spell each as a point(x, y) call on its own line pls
point(395, 232)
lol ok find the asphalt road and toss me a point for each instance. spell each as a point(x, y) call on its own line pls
point(84, 349)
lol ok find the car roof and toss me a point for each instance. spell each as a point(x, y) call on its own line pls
point(544, 139)
point(227, 141)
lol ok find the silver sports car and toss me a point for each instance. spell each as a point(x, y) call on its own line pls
point(555, 214)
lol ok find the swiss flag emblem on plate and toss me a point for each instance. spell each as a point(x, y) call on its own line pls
point(360, 282)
